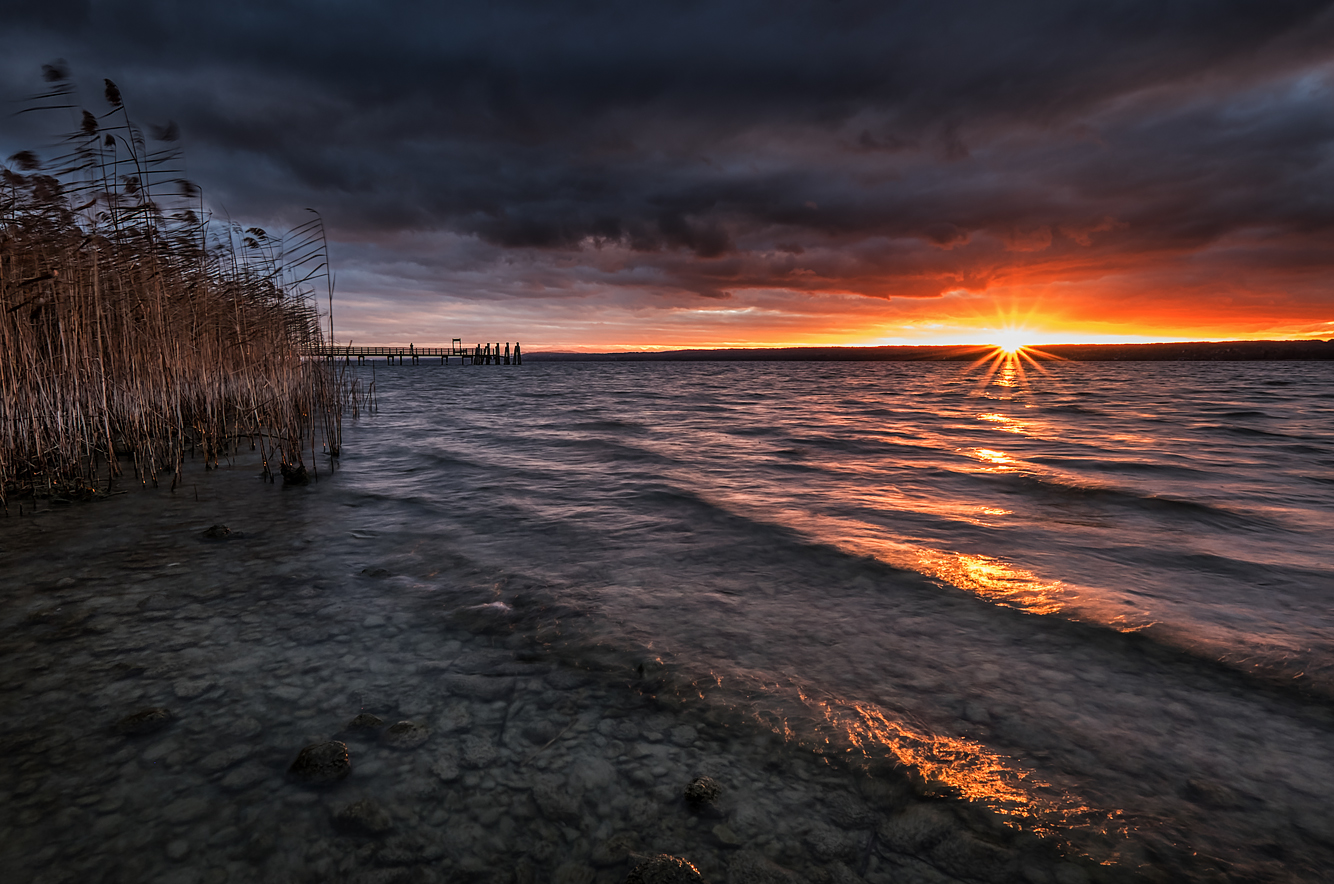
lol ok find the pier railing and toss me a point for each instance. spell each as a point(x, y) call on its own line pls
point(481, 354)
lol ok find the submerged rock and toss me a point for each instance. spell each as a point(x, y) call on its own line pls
point(363, 723)
point(405, 735)
point(145, 721)
point(751, 867)
point(217, 532)
point(365, 817)
point(701, 792)
point(320, 764)
point(477, 752)
point(664, 869)
point(615, 850)
point(295, 474)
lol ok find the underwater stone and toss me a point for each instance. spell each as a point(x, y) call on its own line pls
point(555, 800)
point(224, 758)
point(295, 474)
point(726, 836)
point(245, 776)
point(963, 855)
point(573, 873)
point(664, 869)
point(916, 829)
point(477, 752)
point(615, 850)
point(364, 817)
point(364, 722)
point(683, 736)
point(446, 768)
point(749, 867)
point(405, 735)
point(702, 791)
point(145, 721)
point(322, 763)
point(848, 812)
point(217, 532)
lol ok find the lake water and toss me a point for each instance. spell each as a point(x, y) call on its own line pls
point(921, 622)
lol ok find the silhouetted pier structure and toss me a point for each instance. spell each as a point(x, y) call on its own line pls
point(481, 354)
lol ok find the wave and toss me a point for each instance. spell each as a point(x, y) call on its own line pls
point(1123, 498)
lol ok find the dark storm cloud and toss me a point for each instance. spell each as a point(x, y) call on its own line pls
point(886, 148)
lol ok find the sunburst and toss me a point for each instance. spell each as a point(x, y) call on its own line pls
point(1007, 357)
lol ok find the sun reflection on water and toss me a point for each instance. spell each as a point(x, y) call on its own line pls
point(950, 765)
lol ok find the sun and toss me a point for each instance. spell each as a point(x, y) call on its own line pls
point(1010, 341)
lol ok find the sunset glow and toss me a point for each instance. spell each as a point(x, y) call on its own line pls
point(1120, 187)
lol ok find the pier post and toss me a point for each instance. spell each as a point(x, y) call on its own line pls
point(518, 357)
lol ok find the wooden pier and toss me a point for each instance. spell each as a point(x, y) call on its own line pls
point(482, 354)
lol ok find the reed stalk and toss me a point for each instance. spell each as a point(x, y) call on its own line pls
point(137, 332)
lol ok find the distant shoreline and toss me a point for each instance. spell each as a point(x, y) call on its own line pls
point(1198, 351)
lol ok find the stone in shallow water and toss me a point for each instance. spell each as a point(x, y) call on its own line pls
point(446, 768)
point(750, 867)
point(364, 723)
point(916, 829)
point(321, 764)
point(365, 817)
point(243, 728)
point(664, 869)
point(224, 758)
point(477, 752)
point(615, 850)
point(683, 736)
point(189, 688)
point(702, 791)
point(405, 735)
point(145, 721)
point(245, 776)
point(554, 798)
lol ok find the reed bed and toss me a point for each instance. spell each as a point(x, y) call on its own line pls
point(137, 333)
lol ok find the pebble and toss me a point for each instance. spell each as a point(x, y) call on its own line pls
point(405, 735)
point(477, 751)
point(664, 869)
point(243, 728)
point(244, 777)
point(188, 688)
point(185, 810)
point(225, 758)
point(322, 764)
point(446, 768)
point(701, 792)
point(365, 817)
point(364, 723)
point(725, 835)
point(145, 721)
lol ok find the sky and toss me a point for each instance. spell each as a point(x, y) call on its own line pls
point(622, 176)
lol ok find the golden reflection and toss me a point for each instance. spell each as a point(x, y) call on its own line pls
point(955, 765)
point(1007, 423)
point(999, 458)
point(995, 580)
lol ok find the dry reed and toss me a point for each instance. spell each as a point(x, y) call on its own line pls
point(135, 331)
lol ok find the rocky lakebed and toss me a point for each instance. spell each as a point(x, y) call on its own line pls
point(186, 703)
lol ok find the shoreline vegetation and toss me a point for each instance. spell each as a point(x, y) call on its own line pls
point(136, 331)
point(1194, 351)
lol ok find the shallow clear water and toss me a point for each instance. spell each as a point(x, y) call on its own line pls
point(1088, 603)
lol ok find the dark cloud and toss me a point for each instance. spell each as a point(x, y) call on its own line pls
point(889, 149)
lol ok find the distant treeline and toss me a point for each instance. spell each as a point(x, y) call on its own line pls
point(1199, 351)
